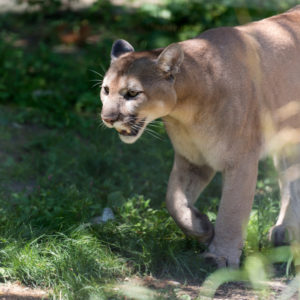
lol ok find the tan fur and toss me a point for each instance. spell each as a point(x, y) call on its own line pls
point(235, 97)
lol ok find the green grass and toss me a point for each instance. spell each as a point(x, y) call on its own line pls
point(59, 168)
point(54, 182)
point(73, 265)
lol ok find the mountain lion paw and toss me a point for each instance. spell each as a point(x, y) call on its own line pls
point(281, 235)
point(214, 260)
point(205, 232)
point(220, 261)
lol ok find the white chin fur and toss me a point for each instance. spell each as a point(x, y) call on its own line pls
point(128, 139)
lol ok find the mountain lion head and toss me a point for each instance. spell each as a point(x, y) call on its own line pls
point(138, 88)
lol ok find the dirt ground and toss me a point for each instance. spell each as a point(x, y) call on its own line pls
point(235, 291)
point(16, 291)
point(170, 289)
point(10, 5)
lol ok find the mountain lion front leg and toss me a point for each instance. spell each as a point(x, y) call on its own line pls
point(239, 183)
point(186, 182)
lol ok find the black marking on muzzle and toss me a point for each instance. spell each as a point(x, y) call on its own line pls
point(134, 127)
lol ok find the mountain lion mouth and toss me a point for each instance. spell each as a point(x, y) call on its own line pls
point(134, 128)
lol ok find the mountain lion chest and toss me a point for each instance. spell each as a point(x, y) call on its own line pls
point(196, 145)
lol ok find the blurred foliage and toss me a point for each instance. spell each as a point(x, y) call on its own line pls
point(257, 271)
point(48, 69)
point(46, 6)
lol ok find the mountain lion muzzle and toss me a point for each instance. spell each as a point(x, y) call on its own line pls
point(227, 98)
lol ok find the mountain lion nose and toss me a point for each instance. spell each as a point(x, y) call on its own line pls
point(110, 119)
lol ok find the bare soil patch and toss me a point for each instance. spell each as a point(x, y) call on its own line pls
point(232, 290)
point(16, 291)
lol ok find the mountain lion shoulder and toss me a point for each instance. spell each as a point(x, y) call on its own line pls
point(227, 97)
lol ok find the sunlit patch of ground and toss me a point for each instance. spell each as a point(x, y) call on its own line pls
point(166, 288)
point(170, 289)
point(10, 5)
point(16, 291)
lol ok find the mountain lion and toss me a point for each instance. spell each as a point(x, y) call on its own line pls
point(227, 97)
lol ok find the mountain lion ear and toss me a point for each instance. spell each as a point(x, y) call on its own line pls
point(170, 59)
point(119, 48)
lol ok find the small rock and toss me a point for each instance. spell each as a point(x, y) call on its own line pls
point(107, 215)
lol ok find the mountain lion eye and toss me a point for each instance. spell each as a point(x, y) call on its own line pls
point(131, 94)
point(106, 90)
